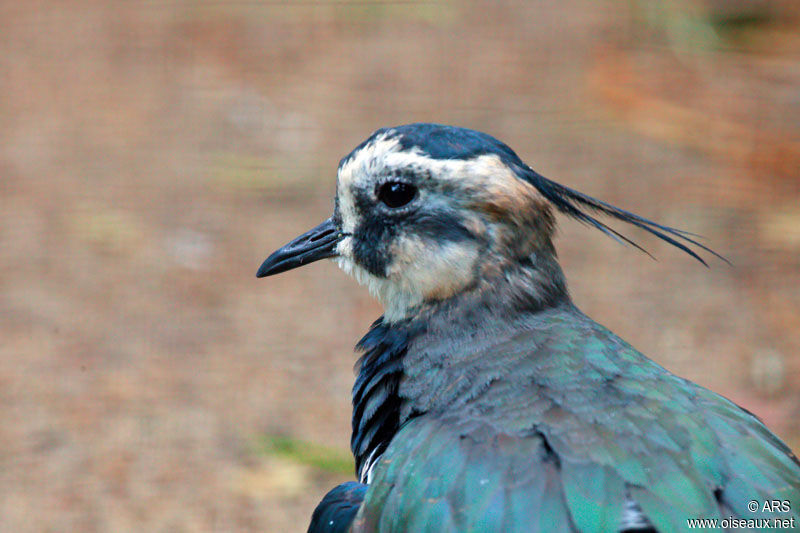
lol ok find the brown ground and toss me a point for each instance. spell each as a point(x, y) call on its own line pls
point(153, 153)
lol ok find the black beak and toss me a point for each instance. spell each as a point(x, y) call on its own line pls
point(313, 245)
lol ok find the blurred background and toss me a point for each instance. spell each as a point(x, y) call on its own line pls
point(153, 153)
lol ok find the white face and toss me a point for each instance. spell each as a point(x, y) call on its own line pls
point(433, 246)
point(426, 272)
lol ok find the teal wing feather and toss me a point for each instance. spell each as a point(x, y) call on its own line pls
point(450, 475)
point(562, 429)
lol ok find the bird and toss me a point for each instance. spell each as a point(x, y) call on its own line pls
point(485, 400)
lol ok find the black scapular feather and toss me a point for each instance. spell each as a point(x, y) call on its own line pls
point(376, 404)
point(576, 204)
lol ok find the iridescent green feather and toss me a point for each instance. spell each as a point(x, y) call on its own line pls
point(558, 436)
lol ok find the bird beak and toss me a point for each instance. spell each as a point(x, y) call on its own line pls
point(313, 245)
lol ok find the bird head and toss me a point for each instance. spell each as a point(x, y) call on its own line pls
point(425, 212)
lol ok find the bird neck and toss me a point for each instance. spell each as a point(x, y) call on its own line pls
point(505, 296)
point(503, 287)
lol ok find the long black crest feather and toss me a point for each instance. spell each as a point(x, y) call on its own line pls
point(575, 204)
point(438, 141)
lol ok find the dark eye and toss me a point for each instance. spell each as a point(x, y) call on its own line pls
point(396, 193)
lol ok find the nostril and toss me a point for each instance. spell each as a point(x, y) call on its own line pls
point(323, 235)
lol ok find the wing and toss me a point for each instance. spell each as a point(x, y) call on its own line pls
point(445, 475)
point(580, 432)
point(336, 511)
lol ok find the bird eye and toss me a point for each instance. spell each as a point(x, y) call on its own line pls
point(396, 193)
